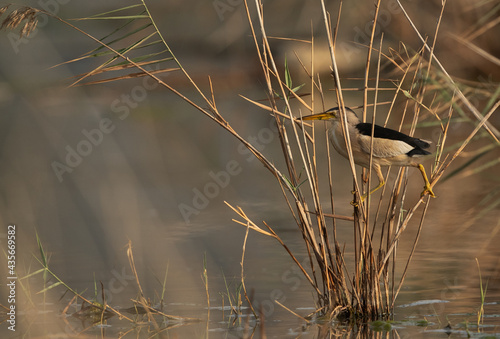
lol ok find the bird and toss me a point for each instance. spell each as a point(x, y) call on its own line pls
point(390, 147)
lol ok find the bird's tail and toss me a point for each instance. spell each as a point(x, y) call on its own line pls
point(424, 144)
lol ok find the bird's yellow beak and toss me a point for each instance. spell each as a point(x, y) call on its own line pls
point(320, 116)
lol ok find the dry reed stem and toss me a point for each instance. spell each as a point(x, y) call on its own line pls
point(186, 74)
point(440, 171)
point(319, 251)
point(410, 256)
point(340, 98)
point(251, 225)
point(478, 50)
point(292, 312)
point(142, 300)
point(471, 35)
point(205, 281)
point(347, 140)
point(367, 66)
point(420, 96)
point(121, 77)
point(243, 270)
point(489, 128)
point(373, 116)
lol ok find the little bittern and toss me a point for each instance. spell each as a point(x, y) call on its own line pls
point(390, 147)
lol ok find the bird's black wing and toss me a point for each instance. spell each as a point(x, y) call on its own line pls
point(365, 128)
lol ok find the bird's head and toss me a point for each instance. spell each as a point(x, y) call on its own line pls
point(334, 114)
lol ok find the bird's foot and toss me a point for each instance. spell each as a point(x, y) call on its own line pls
point(428, 190)
point(356, 203)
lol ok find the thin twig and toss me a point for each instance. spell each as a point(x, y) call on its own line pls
point(242, 271)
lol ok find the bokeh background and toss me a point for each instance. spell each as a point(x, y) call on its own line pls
point(155, 154)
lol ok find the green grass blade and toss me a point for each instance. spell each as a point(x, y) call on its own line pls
point(295, 89)
point(50, 287)
point(33, 274)
point(43, 257)
point(163, 289)
point(117, 10)
point(137, 30)
point(133, 17)
point(121, 50)
point(142, 58)
point(288, 77)
point(106, 15)
point(492, 100)
point(227, 291)
point(95, 52)
point(108, 62)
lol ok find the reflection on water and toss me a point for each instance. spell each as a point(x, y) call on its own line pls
point(87, 176)
point(424, 318)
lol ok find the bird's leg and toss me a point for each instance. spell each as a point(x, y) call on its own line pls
point(380, 184)
point(427, 187)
